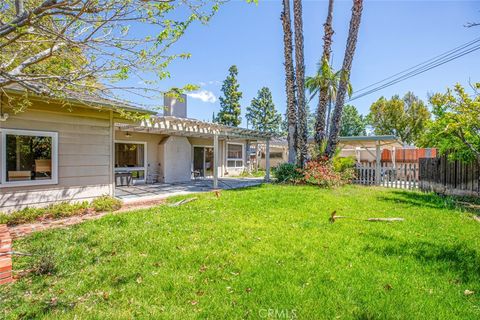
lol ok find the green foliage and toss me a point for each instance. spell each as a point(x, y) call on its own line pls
point(455, 128)
point(106, 203)
point(328, 79)
point(405, 118)
point(353, 123)
point(287, 173)
point(262, 113)
point(229, 114)
point(341, 164)
point(59, 210)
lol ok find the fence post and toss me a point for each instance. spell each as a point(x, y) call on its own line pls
point(378, 163)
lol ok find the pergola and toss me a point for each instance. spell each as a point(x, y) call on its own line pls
point(369, 143)
point(186, 127)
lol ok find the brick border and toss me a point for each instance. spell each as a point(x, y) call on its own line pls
point(5, 256)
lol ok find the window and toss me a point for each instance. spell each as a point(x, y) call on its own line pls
point(273, 155)
point(29, 157)
point(234, 155)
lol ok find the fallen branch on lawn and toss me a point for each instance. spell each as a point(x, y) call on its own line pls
point(184, 201)
point(334, 217)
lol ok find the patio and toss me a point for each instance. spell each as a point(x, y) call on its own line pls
point(163, 190)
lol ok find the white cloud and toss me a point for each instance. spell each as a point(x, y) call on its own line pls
point(203, 95)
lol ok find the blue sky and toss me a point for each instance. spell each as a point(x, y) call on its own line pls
point(394, 35)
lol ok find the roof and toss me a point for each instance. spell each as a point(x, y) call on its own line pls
point(191, 128)
point(86, 99)
point(370, 141)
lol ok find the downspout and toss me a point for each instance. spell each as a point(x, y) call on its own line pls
point(112, 150)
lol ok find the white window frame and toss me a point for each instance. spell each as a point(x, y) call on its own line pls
point(3, 150)
point(130, 169)
point(236, 159)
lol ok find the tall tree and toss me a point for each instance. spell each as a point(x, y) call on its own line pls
point(404, 117)
point(325, 87)
point(302, 134)
point(346, 68)
point(230, 110)
point(353, 123)
point(289, 82)
point(455, 128)
point(262, 113)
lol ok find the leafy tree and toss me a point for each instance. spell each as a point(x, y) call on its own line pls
point(403, 117)
point(230, 104)
point(345, 78)
point(262, 114)
point(353, 123)
point(455, 127)
point(52, 46)
point(289, 82)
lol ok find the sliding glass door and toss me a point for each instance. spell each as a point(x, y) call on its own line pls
point(203, 161)
point(130, 157)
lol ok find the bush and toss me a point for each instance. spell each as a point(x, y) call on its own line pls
point(106, 203)
point(341, 164)
point(60, 210)
point(287, 172)
point(321, 173)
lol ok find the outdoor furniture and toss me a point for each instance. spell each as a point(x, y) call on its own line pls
point(196, 174)
point(19, 175)
point(123, 176)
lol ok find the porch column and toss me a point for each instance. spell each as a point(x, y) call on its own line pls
point(378, 160)
point(215, 161)
point(267, 160)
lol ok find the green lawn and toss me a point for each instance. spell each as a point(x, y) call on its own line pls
point(267, 251)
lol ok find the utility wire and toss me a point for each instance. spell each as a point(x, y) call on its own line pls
point(421, 67)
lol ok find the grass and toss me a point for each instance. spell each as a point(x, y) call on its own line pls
point(263, 252)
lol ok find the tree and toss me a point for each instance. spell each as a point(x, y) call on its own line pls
point(325, 86)
point(262, 114)
point(327, 80)
point(289, 82)
point(455, 128)
point(345, 78)
point(54, 46)
point(405, 118)
point(353, 123)
point(300, 80)
point(230, 110)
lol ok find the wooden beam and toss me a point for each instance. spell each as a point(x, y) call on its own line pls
point(267, 161)
point(215, 161)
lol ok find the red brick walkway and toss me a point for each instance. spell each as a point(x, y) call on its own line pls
point(5, 256)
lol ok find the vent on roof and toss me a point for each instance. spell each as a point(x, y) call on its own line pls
point(175, 106)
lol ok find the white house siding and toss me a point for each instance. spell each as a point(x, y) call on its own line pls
point(84, 155)
point(175, 156)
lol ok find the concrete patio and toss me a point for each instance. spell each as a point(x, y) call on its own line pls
point(146, 192)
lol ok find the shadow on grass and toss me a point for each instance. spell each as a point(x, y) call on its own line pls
point(429, 200)
point(459, 258)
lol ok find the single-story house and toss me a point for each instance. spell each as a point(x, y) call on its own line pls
point(78, 150)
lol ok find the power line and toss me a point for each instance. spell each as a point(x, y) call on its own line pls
point(425, 66)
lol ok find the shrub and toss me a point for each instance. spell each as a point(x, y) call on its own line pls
point(287, 172)
point(106, 203)
point(321, 173)
point(340, 164)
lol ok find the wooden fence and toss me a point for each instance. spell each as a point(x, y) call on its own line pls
point(449, 177)
point(402, 175)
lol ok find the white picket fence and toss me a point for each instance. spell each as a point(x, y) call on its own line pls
point(402, 175)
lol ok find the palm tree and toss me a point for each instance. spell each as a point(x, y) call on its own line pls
point(325, 79)
point(302, 134)
point(289, 83)
point(346, 68)
point(323, 98)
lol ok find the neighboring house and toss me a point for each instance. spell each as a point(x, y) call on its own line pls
point(278, 153)
point(52, 152)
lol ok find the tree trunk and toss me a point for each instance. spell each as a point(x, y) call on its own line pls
point(320, 123)
point(302, 134)
point(289, 83)
point(346, 68)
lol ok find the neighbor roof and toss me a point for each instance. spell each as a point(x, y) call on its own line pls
point(370, 141)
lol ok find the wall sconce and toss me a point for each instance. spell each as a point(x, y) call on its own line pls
point(128, 135)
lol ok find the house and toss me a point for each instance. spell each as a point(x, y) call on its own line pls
point(81, 147)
